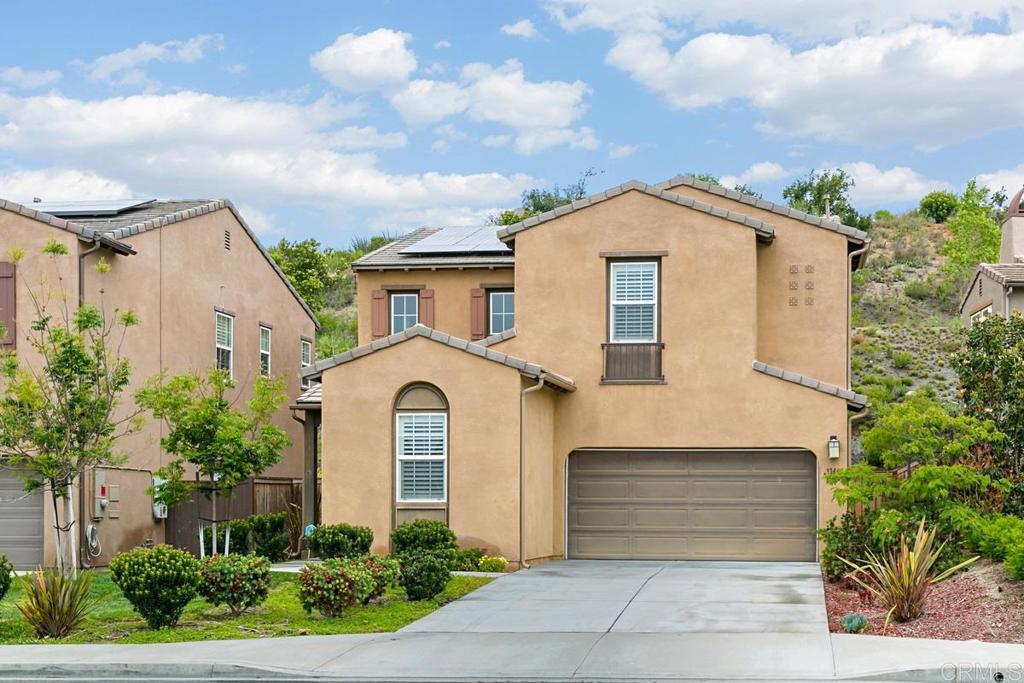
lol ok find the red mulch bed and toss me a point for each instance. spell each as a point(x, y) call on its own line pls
point(983, 603)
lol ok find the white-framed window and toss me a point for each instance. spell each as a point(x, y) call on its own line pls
point(978, 316)
point(405, 310)
point(502, 311)
point(421, 445)
point(225, 342)
point(633, 300)
point(264, 351)
point(305, 358)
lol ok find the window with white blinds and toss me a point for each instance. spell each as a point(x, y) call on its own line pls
point(265, 351)
point(225, 342)
point(422, 451)
point(634, 302)
point(305, 358)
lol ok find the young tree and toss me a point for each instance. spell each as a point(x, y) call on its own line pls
point(537, 200)
point(938, 206)
point(307, 268)
point(225, 446)
point(62, 419)
point(976, 235)
point(828, 189)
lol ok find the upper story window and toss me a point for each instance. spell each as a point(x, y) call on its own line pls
point(978, 316)
point(305, 358)
point(264, 351)
point(225, 342)
point(633, 301)
point(404, 310)
point(502, 311)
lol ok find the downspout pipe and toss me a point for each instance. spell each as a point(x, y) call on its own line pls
point(522, 465)
point(849, 309)
point(81, 479)
point(1006, 302)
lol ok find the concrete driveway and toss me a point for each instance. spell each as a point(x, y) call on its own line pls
point(588, 596)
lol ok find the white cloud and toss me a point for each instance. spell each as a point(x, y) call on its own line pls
point(616, 151)
point(1010, 178)
point(442, 45)
point(265, 224)
point(925, 85)
point(364, 137)
point(426, 101)
point(496, 140)
point(372, 61)
point(26, 79)
point(523, 28)
point(54, 185)
point(533, 140)
point(456, 215)
point(440, 146)
point(826, 19)
point(760, 172)
point(124, 67)
point(899, 183)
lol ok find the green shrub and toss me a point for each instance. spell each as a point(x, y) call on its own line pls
point(918, 289)
point(467, 560)
point(1015, 562)
point(340, 540)
point(6, 576)
point(854, 623)
point(238, 581)
point(938, 206)
point(265, 535)
point(159, 582)
point(846, 536)
point(493, 564)
point(385, 572)
point(424, 575)
point(999, 534)
point(901, 359)
point(55, 603)
point(333, 585)
point(423, 535)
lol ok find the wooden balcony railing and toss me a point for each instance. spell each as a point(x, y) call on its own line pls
point(632, 362)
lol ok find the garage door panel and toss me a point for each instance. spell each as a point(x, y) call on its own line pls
point(21, 523)
point(728, 505)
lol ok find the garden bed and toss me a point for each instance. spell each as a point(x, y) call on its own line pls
point(114, 621)
point(982, 603)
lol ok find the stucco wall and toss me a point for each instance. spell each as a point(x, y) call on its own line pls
point(984, 292)
point(451, 294)
point(542, 526)
point(358, 438)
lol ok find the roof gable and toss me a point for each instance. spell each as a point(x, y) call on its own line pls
point(764, 231)
point(853, 400)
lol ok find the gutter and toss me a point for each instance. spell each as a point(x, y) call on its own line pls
point(522, 463)
point(849, 309)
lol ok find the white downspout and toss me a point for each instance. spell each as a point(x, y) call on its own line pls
point(522, 465)
point(849, 310)
point(1006, 302)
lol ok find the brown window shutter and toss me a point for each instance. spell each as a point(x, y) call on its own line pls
point(427, 307)
point(477, 314)
point(379, 314)
point(8, 305)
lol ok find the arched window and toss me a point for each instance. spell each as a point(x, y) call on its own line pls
point(421, 445)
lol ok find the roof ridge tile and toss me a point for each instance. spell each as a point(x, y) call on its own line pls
point(854, 400)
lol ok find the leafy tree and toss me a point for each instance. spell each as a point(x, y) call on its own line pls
point(204, 430)
point(828, 189)
point(742, 188)
point(62, 419)
point(975, 233)
point(537, 200)
point(920, 430)
point(938, 206)
point(307, 268)
point(991, 372)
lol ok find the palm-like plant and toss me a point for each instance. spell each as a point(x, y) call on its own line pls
point(902, 577)
point(56, 603)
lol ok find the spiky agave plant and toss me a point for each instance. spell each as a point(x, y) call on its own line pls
point(902, 577)
point(56, 603)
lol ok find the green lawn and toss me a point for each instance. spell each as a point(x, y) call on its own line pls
point(114, 621)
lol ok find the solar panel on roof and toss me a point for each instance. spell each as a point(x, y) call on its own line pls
point(459, 240)
point(93, 207)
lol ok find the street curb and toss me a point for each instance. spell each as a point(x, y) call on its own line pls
point(156, 671)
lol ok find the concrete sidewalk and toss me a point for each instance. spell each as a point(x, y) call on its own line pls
point(526, 657)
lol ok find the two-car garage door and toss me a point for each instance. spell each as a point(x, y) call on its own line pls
point(692, 505)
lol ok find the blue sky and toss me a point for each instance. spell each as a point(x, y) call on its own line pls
point(331, 119)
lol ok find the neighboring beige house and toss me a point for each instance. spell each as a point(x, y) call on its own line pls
point(656, 371)
point(206, 293)
point(998, 288)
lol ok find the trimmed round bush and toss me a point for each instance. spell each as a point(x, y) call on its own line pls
point(238, 581)
point(424, 535)
point(6, 576)
point(424, 575)
point(493, 564)
point(331, 586)
point(340, 540)
point(467, 560)
point(158, 582)
point(385, 572)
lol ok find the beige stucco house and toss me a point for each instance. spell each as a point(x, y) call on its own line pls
point(207, 294)
point(656, 371)
point(998, 288)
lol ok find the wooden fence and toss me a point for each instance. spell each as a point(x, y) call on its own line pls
point(252, 497)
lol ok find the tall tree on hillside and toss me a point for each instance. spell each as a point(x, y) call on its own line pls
point(742, 188)
point(827, 191)
point(976, 234)
point(62, 419)
point(307, 267)
point(539, 200)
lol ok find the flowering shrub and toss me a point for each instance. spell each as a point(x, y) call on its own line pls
point(158, 581)
point(332, 585)
point(238, 581)
point(493, 564)
point(384, 571)
point(467, 560)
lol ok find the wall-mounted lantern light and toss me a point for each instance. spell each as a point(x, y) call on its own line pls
point(833, 447)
